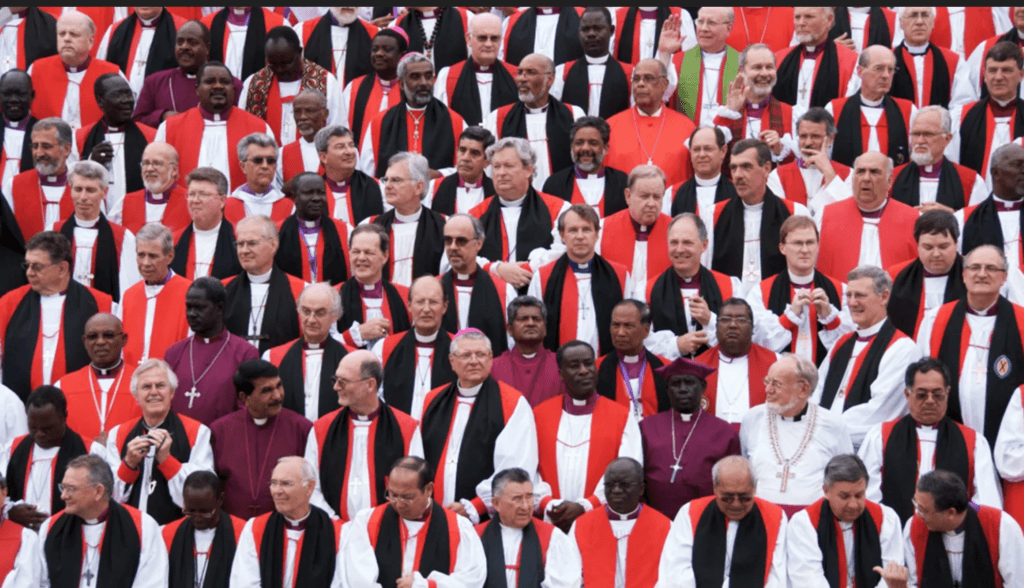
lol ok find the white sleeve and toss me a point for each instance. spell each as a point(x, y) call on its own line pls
point(152, 570)
point(200, 459)
point(540, 257)
point(804, 555)
point(1011, 551)
point(312, 455)
point(823, 369)
point(963, 90)
point(161, 132)
point(104, 46)
point(777, 575)
point(441, 85)
point(245, 92)
point(129, 268)
point(534, 288)
point(768, 331)
point(563, 567)
point(870, 453)
point(1009, 448)
point(887, 401)
point(367, 163)
point(490, 121)
point(952, 151)
point(924, 332)
point(44, 571)
point(470, 562)
point(245, 569)
point(416, 443)
point(663, 343)
point(775, 184)
point(113, 459)
point(15, 423)
point(353, 568)
point(974, 67)
point(909, 555)
point(891, 539)
point(675, 570)
point(26, 564)
point(335, 116)
point(987, 489)
point(559, 84)
point(979, 192)
point(346, 96)
point(515, 447)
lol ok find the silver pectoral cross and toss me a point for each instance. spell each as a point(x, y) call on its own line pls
point(192, 395)
point(88, 575)
point(675, 470)
point(803, 92)
point(785, 475)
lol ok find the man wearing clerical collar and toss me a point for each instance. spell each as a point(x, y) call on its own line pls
point(528, 366)
point(598, 83)
point(16, 97)
point(751, 112)
point(258, 154)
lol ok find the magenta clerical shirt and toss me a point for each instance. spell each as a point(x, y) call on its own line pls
point(535, 377)
point(216, 389)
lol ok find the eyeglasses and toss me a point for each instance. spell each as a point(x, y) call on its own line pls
point(342, 383)
point(923, 396)
point(318, 313)
point(406, 499)
point(798, 245)
point(927, 135)
point(150, 163)
point(700, 22)
point(201, 195)
point(880, 69)
point(248, 244)
point(35, 267)
point(426, 302)
point(282, 484)
point(737, 320)
point(259, 160)
point(731, 498)
point(778, 383)
point(69, 490)
point(458, 241)
point(991, 269)
point(395, 181)
point(647, 79)
point(915, 15)
point(468, 355)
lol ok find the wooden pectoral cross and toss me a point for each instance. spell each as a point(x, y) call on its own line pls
point(785, 475)
point(192, 395)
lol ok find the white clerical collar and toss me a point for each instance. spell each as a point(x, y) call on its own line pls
point(1003, 200)
point(686, 416)
point(511, 203)
point(205, 233)
point(630, 358)
point(579, 402)
point(409, 218)
point(872, 330)
point(260, 278)
point(876, 209)
point(95, 521)
point(873, 103)
point(917, 49)
point(260, 422)
point(86, 224)
point(417, 109)
point(149, 22)
point(425, 338)
point(801, 280)
point(647, 8)
point(712, 182)
point(656, 114)
point(540, 110)
point(471, 391)
point(459, 276)
point(54, 295)
point(597, 60)
point(984, 311)
point(752, 207)
point(310, 346)
point(622, 517)
point(238, 11)
point(294, 522)
point(505, 527)
point(309, 224)
point(723, 358)
point(1002, 103)
point(716, 54)
point(529, 355)
point(860, 9)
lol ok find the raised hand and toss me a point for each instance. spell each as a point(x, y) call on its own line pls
point(735, 96)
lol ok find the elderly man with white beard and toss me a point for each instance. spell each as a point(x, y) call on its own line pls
point(162, 199)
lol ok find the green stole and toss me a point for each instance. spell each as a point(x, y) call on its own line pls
point(690, 81)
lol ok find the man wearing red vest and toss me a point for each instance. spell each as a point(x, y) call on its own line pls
point(206, 135)
point(483, 83)
point(1007, 456)
point(142, 44)
point(19, 562)
point(817, 69)
point(579, 434)
point(844, 539)
point(813, 180)
point(70, 74)
point(961, 29)
point(952, 542)
point(926, 72)
point(762, 24)
point(637, 237)
point(338, 42)
point(897, 452)
point(870, 228)
point(355, 446)
point(35, 35)
point(598, 535)
point(258, 155)
point(539, 549)
point(589, 180)
point(627, 374)
point(412, 538)
point(1008, 26)
point(708, 532)
point(162, 199)
point(379, 90)
point(42, 196)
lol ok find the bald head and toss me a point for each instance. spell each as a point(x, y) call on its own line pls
point(159, 167)
point(104, 337)
point(484, 38)
point(75, 35)
point(876, 68)
point(16, 94)
point(485, 22)
point(103, 319)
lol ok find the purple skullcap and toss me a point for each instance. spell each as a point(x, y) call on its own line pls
point(683, 366)
point(467, 330)
point(399, 34)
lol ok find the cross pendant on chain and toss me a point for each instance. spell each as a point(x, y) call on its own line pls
point(192, 395)
point(751, 275)
point(979, 371)
point(785, 475)
point(675, 470)
point(88, 575)
point(803, 92)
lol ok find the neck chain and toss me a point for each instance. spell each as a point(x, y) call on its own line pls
point(764, 31)
point(635, 399)
point(100, 412)
point(682, 450)
point(191, 361)
point(428, 45)
point(422, 379)
point(574, 433)
point(416, 129)
point(254, 488)
point(773, 436)
point(257, 313)
point(640, 141)
point(199, 578)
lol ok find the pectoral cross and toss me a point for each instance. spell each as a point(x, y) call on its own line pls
point(675, 470)
point(751, 275)
point(192, 395)
point(979, 371)
point(88, 575)
point(803, 92)
point(785, 475)
point(729, 416)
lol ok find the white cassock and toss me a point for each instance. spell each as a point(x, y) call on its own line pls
point(648, 30)
point(14, 142)
point(752, 215)
point(245, 569)
point(586, 318)
point(974, 370)
point(214, 145)
point(1001, 135)
point(536, 134)
point(152, 293)
point(204, 243)
point(313, 359)
point(929, 187)
point(976, 59)
point(385, 103)
point(676, 567)
point(622, 528)
point(258, 203)
point(872, 111)
point(175, 472)
point(887, 401)
point(9, 49)
point(259, 292)
point(798, 448)
point(234, 44)
point(804, 557)
point(310, 156)
point(403, 244)
point(957, 20)
point(769, 332)
point(1011, 553)
point(424, 369)
point(1009, 222)
point(545, 35)
point(26, 563)
point(986, 483)
point(562, 565)
point(1009, 449)
point(572, 453)
point(818, 194)
point(53, 192)
point(360, 562)
point(511, 210)
point(663, 343)
point(357, 467)
point(38, 484)
point(152, 569)
point(137, 73)
point(13, 422)
point(466, 195)
point(732, 395)
point(596, 67)
point(83, 271)
point(288, 91)
point(484, 75)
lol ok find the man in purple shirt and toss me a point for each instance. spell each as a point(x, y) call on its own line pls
point(528, 366)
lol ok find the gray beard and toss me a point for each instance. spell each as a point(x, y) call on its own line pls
point(779, 409)
point(921, 159)
point(47, 169)
point(417, 101)
point(588, 167)
point(525, 97)
point(805, 39)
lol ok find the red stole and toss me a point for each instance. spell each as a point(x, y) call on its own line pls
point(323, 425)
point(989, 519)
point(414, 141)
point(990, 126)
point(30, 205)
point(969, 434)
point(607, 425)
point(978, 27)
point(648, 391)
point(292, 163)
point(10, 545)
point(841, 227)
point(814, 513)
point(115, 228)
point(372, 106)
point(175, 217)
point(171, 528)
point(759, 359)
point(846, 58)
point(373, 530)
point(385, 309)
point(1014, 492)
point(882, 128)
point(929, 66)
point(553, 203)
point(234, 210)
point(49, 73)
point(942, 325)
point(618, 247)
point(82, 417)
point(600, 548)
point(770, 513)
point(620, 16)
point(259, 526)
point(569, 317)
point(169, 312)
point(181, 133)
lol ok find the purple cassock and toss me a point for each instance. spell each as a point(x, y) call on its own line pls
point(244, 455)
point(170, 89)
point(214, 394)
point(535, 377)
point(711, 441)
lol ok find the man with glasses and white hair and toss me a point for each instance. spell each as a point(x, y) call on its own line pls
point(258, 154)
point(206, 246)
point(862, 376)
point(95, 541)
point(153, 455)
point(788, 439)
point(353, 463)
point(296, 539)
point(978, 339)
point(102, 251)
point(817, 69)
point(162, 200)
point(733, 538)
point(920, 61)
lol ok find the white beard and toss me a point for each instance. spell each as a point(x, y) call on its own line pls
point(921, 159)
